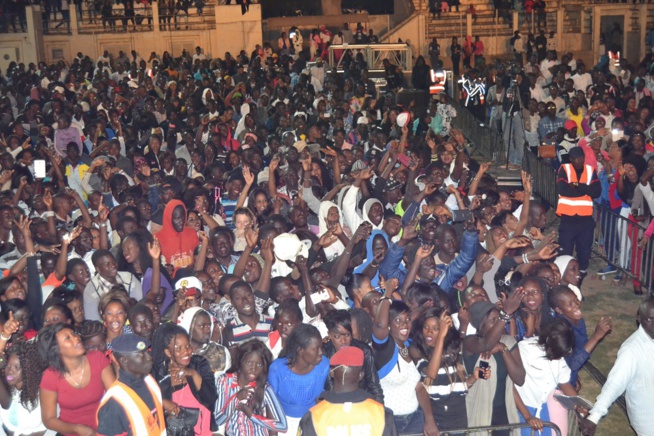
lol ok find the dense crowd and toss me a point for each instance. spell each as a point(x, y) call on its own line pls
point(290, 243)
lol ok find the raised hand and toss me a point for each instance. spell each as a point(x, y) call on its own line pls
point(365, 174)
point(336, 229)
point(484, 263)
point(329, 151)
point(548, 251)
point(603, 327)
point(248, 176)
point(445, 323)
point(47, 198)
point(154, 248)
point(23, 225)
point(251, 237)
point(409, 232)
point(204, 238)
point(363, 232)
point(327, 239)
point(267, 250)
point(424, 251)
point(512, 303)
point(517, 242)
point(11, 326)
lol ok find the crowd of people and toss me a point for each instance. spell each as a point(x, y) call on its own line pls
point(255, 244)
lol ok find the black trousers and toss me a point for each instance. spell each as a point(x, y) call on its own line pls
point(576, 233)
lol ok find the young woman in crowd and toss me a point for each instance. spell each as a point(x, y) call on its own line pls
point(299, 374)
point(245, 398)
point(185, 380)
point(19, 388)
point(74, 383)
point(399, 378)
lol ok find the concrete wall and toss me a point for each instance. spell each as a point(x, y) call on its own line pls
point(234, 32)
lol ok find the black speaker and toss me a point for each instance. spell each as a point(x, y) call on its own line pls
point(406, 96)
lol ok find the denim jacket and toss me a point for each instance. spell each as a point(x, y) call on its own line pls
point(457, 269)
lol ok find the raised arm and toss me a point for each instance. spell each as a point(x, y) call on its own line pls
point(201, 258)
point(475, 181)
point(380, 323)
point(268, 255)
point(422, 253)
point(249, 180)
point(524, 213)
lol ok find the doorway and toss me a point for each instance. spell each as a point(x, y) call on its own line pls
point(612, 28)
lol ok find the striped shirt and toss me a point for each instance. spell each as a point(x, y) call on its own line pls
point(237, 422)
point(243, 332)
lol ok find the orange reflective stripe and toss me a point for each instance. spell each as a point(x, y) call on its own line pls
point(141, 419)
point(581, 206)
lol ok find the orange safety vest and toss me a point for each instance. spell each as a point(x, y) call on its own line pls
point(581, 206)
point(348, 419)
point(141, 419)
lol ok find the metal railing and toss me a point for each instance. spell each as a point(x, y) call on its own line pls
point(488, 430)
point(616, 241)
point(374, 55)
point(616, 235)
point(544, 176)
point(484, 139)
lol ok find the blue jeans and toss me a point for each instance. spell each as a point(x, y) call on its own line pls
point(544, 416)
point(412, 423)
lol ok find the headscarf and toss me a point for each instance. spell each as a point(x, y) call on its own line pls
point(186, 318)
point(177, 247)
point(337, 248)
point(562, 263)
point(370, 256)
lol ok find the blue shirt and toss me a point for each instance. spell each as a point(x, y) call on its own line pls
point(297, 393)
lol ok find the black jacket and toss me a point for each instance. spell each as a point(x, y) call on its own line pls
point(370, 381)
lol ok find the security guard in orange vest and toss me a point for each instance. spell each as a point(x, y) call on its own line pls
point(347, 410)
point(132, 406)
point(577, 185)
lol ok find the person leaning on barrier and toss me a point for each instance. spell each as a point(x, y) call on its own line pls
point(577, 185)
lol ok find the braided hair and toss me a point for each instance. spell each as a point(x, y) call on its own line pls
point(32, 368)
point(160, 341)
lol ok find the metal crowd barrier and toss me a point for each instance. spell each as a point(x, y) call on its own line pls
point(543, 175)
point(616, 241)
point(485, 139)
point(616, 236)
point(488, 430)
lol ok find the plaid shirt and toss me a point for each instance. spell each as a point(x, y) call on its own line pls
point(547, 125)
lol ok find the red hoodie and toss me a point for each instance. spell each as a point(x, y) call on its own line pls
point(177, 247)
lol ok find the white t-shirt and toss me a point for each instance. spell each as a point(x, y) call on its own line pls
point(542, 376)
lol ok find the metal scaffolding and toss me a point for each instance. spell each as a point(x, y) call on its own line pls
point(374, 55)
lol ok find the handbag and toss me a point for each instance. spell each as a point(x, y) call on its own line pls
point(183, 423)
point(547, 151)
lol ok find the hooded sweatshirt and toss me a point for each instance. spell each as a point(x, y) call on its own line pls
point(176, 247)
point(337, 248)
point(217, 355)
point(352, 218)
